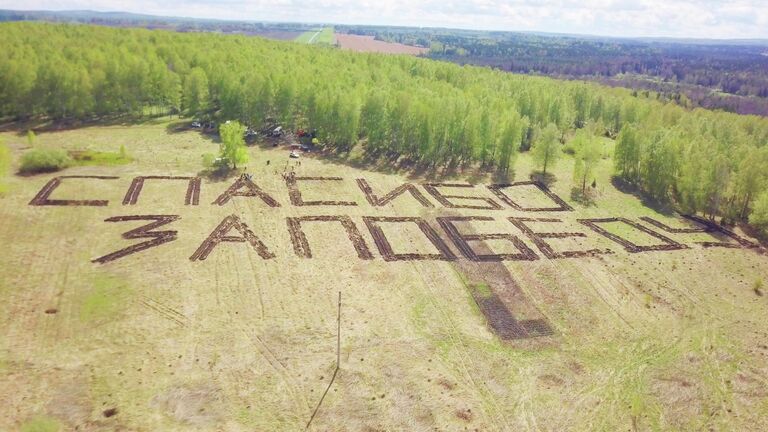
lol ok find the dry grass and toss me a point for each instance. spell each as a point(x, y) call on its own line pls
point(666, 340)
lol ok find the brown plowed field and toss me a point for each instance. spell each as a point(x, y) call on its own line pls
point(369, 44)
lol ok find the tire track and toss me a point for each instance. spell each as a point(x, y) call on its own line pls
point(465, 358)
point(165, 311)
point(294, 388)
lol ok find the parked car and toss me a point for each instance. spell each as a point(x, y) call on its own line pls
point(276, 132)
point(196, 124)
point(294, 154)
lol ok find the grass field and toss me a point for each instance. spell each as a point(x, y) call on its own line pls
point(669, 340)
point(324, 35)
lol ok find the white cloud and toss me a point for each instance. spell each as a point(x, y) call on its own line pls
point(673, 18)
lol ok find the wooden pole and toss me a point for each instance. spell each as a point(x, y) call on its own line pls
point(338, 363)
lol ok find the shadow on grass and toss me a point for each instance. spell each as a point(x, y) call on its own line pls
point(42, 125)
point(218, 175)
point(394, 163)
point(755, 233)
point(547, 179)
point(628, 188)
point(585, 197)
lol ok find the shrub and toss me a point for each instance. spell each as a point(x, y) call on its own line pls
point(44, 160)
point(90, 157)
point(208, 159)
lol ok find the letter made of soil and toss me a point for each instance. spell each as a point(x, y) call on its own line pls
point(667, 244)
point(291, 180)
point(193, 189)
point(145, 231)
point(498, 190)
point(377, 201)
point(301, 244)
point(243, 186)
point(461, 240)
point(43, 197)
point(445, 200)
point(385, 248)
point(708, 227)
point(220, 235)
point(539, 238)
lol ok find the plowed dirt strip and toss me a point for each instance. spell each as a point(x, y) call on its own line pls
point(510, 314)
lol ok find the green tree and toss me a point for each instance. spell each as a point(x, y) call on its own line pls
point(626, 158)
point(196, 92)
point(751, 177)
point(587, 155)
point(509, 142)
point(581, 106)
point(373, 121)
point(232, 145)
point(659, 165)
point(759, 215)
point(546, 150)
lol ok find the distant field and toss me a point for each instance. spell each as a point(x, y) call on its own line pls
point(279, 34)
point(324, 36)
point(369, 44)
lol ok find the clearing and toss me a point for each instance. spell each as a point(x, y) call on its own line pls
point(244, 338)
point(324, 35)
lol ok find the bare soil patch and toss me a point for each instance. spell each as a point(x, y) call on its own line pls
point(507, 309)
point(369, 44)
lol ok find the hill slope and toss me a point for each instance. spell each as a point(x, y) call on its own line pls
point(646, 340)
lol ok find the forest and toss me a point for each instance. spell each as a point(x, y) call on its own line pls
point(433, 114)
point(735, 73)
point(180, 24)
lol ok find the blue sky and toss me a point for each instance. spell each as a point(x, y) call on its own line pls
point(671, 18)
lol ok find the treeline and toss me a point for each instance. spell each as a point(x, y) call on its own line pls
point(432, 113)
point(734, 69)
point(180, 24)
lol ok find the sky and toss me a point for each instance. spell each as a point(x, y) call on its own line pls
point(725, 19)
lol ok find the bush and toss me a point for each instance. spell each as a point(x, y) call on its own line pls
point(208, 159)
point(90, 157)
point(44, 160)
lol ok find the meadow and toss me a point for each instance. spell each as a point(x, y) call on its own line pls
point(317, 36)
point(658, 340)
